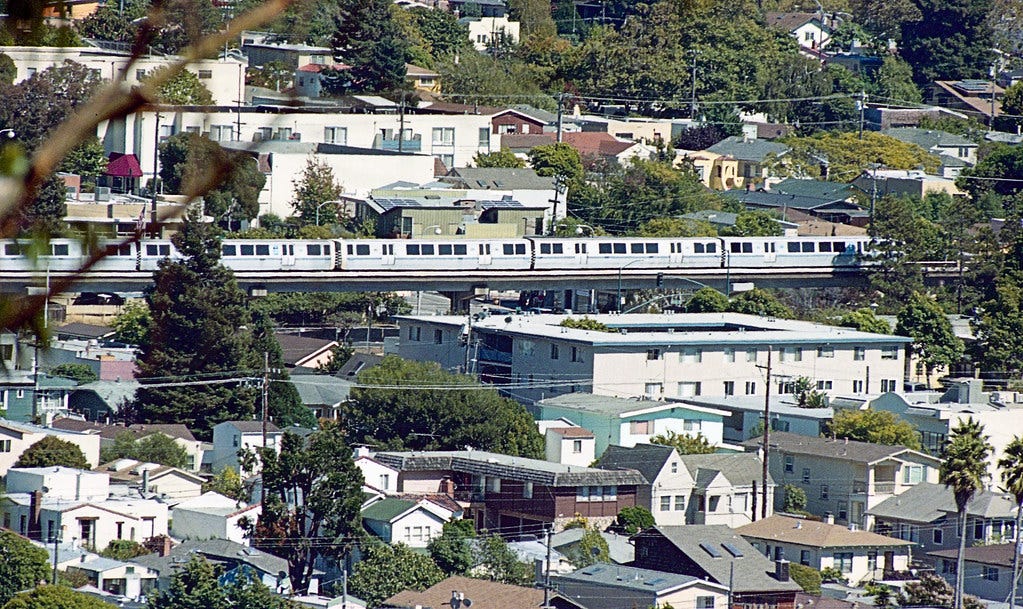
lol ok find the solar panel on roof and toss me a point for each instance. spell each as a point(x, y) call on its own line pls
point(734, 551)
point(655, 581)
point(709, 549)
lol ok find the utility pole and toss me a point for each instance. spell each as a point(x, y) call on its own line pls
point(561, 108)
point(862, 103)
point(994, 75)
point(692, 102)
point(547, 572)
point(56, 540)
point(401, 124)
point(156, 171)
point(767, 434)
point(266, 399)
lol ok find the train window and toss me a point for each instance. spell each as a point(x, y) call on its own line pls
point(363, 250)
point(326, 249)
point(484, 249)
point(229, 250)
point(12, 249)
point(247, 250)
point(838, 246)
point(742, 248)
point(444, 249)
point(619, 248)
point(636, 248)
point(349, 249)
point(712, 248)
point(736, 248)
point(412, 250)
point(121, 250)
point(545, 248)
point(793, 247)
point(262, 250)
point(59, 249)
point(559, 248)
point(313, 249)
point(672, 248)
point(159, 250)
point(651, 248)
point(580, 248)
point(460, 249)
point(605, 248)
point(428, 249)
point(768, 248)
point(698, 248)
point(509, 249)
point(808, 246)
point(824, 246)
point(520, 248)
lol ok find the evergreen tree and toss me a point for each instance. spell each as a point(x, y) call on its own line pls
point(951, 40)
point(286, 407)
point(24, 564)
point(198, 313)
point(934, 342)
point(368, 39)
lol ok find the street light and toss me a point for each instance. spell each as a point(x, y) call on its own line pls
point(8, 134)
point(318, 210)
point(618, 304)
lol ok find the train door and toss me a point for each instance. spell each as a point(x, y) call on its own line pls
point(675, 256)
point(580, 253)
point(288, 254)
point(770, 255)
point(485, 258)
point(387, 254)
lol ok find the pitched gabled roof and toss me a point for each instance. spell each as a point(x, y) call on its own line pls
point(596, 143)
point(782, 200)
point(216, 550)
point(387, 509)
point(929, 138)
point(113, 393)
point(750, 572)
point(503, 178)
point(999, 555)
point(739, 469)
point(814, 188)
point(846, 450)
point(789, 21)
point(485, 594)
point(753, 150)
point(647, 459)
point(299, 349)
point(105, 431)
point(928, 502)
point(321, 389)
point(174, 430)
point(816, 534)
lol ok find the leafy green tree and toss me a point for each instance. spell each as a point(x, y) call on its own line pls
point(904, 238)
point(894, 80)
point(184, 89)
point(496, 561)
point(933, 591)
point(52, 451)
point(197, 310)
point(107, 23)
point(591, 549)
point(228, 483)
point(452, 550)
point(795, 499)
point(634, 518)
point(585, 323)
point(478, 79)
point(685, 444)
point(759, 302)
point(935, 54)
point(934, 342)
point(132, 323)
point(1011, 465)
point(315, 188)
point(154, 448)
point(47, 211)
point(864, 320)
point(87, 160)
point(36, 105)
point(807, 396)
point(124, 549)
point(369, 40)
point(274, 75)
point(8, 71)
point(558, 159)
point(313, 497)
point(429, 419)
point(676, 227)
point(389, 569)
point(284, 402)
point(999, 328)
point(195, 585)
point(441, 32)
point(534, 15)
point(808, 578)
point(848, 155)
point(335, 308)
point(963, 470)
point(754, 224)
point(699, 138)
point(80, 373)
point(339, 356)
point(24, 565)
point(876, 426)
point(189, 161)
point(56, 597)
point(707, 300)
point(501, 158)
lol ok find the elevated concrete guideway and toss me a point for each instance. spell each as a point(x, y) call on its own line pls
point(608, 279)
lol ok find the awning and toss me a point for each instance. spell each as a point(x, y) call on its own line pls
point(123, 166)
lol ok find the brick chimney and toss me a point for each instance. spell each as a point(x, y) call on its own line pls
point(447, 486)
point(35, 529)
point(160, 544)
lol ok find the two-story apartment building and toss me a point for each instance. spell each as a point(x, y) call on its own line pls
point(515, 493)
point(230, 437)
point(744, 415)
point(845, 478)
point(16, 438)
point(655, 356)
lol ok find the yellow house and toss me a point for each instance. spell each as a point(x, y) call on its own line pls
point(422, 79)
point(717, 171)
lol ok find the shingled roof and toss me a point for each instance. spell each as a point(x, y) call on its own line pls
point(847, 450)
point(647, 459)
point(812, 533)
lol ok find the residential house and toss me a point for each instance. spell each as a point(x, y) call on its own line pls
point(170, 484)
point(886, 118)
point(428, 216)
point(232, 556)
point(744, 415)
point(654, 355)
point(927, 516)
point(845, 478)
point(833, 208)
point(413, 523)
point(515, 493)
point(719, 488)
point(533, 551)
point(975, 98)
point(262, 52)
point(520, 184)
point(305, 351)
point(29, 397)
point(230, 437)
point(212, 515)
point(59, 482)
point(487, 8)
point(608, 586)
point(571, 445)
point(628, 421)
point(323, 394)
point(592, 146)
point(987, 570)
point(454, 591)
point(181, 435)
point(83, 331)
point(375, 474)
point(619, 550)
point(116, 577)
point(811, 30)
point(110, 361)
point(955, 151)
point(487, 33)
point(101, 400)
point(15, 438)
point(716, 554)
point(821, 189)
point(726, 220)
point(422, 79)
point(899, 182)
point(858, 555)
point(716, 171)
point(755, 157)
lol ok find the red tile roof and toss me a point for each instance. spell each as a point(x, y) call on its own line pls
point(596, 143)
point(572, 432)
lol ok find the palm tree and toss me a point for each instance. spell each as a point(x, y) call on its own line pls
point(964, 470)
point(1011, 465)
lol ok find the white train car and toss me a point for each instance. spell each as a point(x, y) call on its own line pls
point(278, 254)
point(435, 254)
point(768, 252)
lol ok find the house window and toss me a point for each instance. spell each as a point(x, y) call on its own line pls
point(991, 573)
point(20, 393)
point(806, 475)
point(789, 464)
point(447, 159)
point(5, 446)
point(751, 355)
point(674, 467)
point(235, 440)
point(653, 354)
point(729, 355)
point(857, 386)
point(948, 566)
point(639, 427)
point(554, 352)
point(653, 390)
point(792, 354)
point(680, 503)
point(714, 501)
point(843, 510)
point(824, 491)
point(666, 503)
point(611, 493)
point(438, 337)
point(527, 490)
point(335, 135)
point(704, 602)
point(824, 385)
point(859, 354)
point(444, 136)
point(493, 484)
point(385, 481)
point(804, 557)
point(843, 561)
point(692, 355)
point(577, 446)
point(751, 387)
point(888, 385)
point(688, 389)
point(729, 387)
point(484, 137)
point(889, 353)
point(913, 474)
point(205, 74)
point(871, 560)
point(221, 133)
point(826, 351)
point(575, 355)
point(937, 536)
point(978, 530)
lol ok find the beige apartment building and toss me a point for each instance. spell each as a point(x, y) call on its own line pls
point(655, 356)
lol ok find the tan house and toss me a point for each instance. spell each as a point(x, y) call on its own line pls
point(422, 79)
point(717, 171)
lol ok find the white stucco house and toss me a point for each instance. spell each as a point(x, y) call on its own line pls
point(230, 437)
point(213, 515)
point(413, 523)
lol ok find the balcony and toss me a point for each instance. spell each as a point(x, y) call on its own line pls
point(884, 488)
point(413, 144)
point(470, 495)
point(490, 354)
